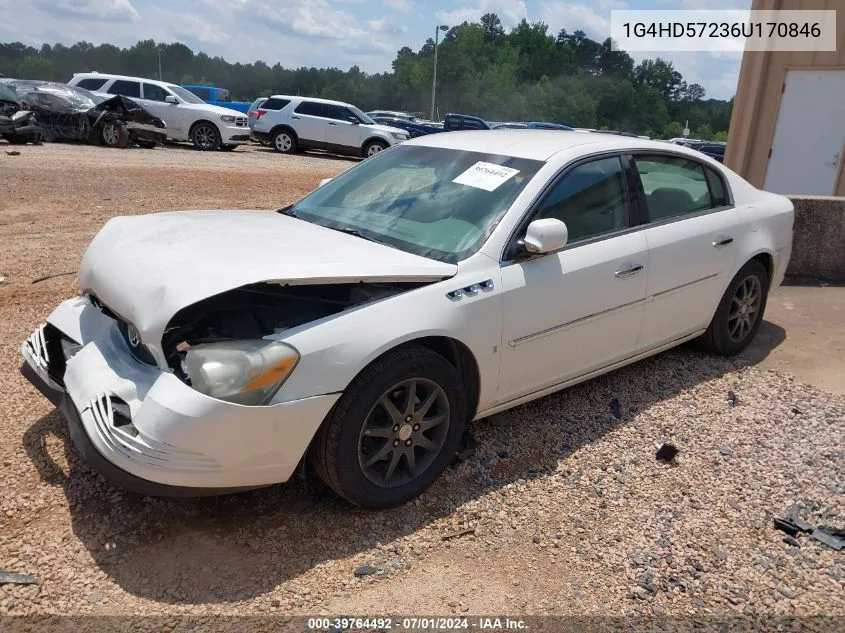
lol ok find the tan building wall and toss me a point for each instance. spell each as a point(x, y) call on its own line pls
point(761, 80)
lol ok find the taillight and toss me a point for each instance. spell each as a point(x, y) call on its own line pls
point(259, 114)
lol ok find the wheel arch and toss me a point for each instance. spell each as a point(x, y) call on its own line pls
point(198, 121)
point(370, 139)
point(283, 127)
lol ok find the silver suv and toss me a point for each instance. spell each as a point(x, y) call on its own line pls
point(291, 124)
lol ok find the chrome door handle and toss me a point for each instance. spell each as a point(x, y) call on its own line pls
point(630, 270)
point(723, 242)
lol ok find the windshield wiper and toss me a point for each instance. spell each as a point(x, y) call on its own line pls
point(288, 211)
point(356, 232)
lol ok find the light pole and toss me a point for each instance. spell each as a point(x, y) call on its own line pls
point(444, 28)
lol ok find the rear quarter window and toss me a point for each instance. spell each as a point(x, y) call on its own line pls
point(92, 83)
point(126, 88)
point(274, 104)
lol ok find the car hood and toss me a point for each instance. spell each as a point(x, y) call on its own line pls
point(212, 109)
point(146, 268)
point(386, 129)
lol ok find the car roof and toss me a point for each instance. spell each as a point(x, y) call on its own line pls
point(109, 76)
point(314, 99)
point(539, 144)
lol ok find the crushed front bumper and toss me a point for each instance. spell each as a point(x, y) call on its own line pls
point(144, 429)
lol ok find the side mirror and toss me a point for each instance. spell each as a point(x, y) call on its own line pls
point(171, 99)
point(545, 236)
point(323, 182)
point(353, 120)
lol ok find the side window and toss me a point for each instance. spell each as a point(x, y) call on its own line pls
point(92, 83)
point(676, 186)
point(155, 93)
point(340, 113)
point(130, 89)
point(311, 108)
point(591, 199)
point(202, 93)
point(274, 104)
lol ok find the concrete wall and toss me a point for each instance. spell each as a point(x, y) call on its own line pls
point(818, 247)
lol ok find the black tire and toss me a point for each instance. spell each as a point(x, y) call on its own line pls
point(341, 446)
point(732, 328)
point(372, 148)
point(205, 136)
point(114, 135)
point(284, 141)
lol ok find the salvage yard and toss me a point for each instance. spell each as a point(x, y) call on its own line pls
point(562, 508)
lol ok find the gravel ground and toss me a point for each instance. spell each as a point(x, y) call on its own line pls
point(568, 512)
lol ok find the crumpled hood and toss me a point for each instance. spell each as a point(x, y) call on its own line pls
point(146, 268)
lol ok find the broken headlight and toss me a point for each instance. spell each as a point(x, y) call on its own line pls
point(244, 372)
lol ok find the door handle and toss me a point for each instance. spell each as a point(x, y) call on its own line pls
point(330, 123)
point(723, 242)
point(633, 269)
point(295, 117)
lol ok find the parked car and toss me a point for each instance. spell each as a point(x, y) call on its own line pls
point(450, 278)
point(252, 115)
point(188, 117)
point(300, 123)
point(413, 128)
point(218, 96)
point(531, 125)
point(17, 123)
point(391, 114)
point(716, 151)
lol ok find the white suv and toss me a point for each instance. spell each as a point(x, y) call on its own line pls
point(188, 118)
point(299, 123)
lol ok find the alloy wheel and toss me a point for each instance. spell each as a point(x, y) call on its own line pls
point(205, 136)
point(745, 308)
point(111, 135)
point(283, 142)
point(404, 432)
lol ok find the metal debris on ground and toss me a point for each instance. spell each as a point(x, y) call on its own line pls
point(14, 152)
point(7, 578)
point(793, 525)
point(365, 570)
point(732, 399)
point(667, 453)
point(457, 534)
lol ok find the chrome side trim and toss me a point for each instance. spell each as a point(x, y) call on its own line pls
point(663, 293)
point(568, 324)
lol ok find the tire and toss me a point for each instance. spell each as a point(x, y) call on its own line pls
point(284, 141)
point(356, 465)
point(205, 136)
point(372, 148)
point(228, 148)
point(732, 328)
point(114, 135)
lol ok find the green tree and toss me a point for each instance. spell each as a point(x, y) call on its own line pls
point(36, 67)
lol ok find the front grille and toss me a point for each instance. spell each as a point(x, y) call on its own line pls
point(241, 121)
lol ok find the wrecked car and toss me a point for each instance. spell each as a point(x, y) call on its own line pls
point(443, 280)
point(65, 112)
point(17, 124)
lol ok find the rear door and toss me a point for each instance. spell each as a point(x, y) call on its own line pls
point(310, 120)
point(692, 228)
point(172, 114)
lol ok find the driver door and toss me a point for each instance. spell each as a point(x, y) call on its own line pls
point(153, 100)
point(341, 131)
point(576, 310)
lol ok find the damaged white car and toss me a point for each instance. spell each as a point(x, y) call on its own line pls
point(448, 278)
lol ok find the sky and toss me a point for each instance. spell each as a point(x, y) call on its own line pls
point(339, 33)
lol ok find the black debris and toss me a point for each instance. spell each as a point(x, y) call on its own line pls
point(785, 526)
point(831, 537)
point(732, 399)
point(7, 578)
point(14, 152)
point(616, 409)
point(467, 447)
point(366, 570)
point(791, 540)
point(667, 453)
point(46, 277)
point(795, 519)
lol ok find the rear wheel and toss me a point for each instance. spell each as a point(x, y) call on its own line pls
point(284, 142)
point(394, 430)
point(205, 136)
point(740, 311)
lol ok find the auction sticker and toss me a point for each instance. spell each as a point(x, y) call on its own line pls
point(487, 176)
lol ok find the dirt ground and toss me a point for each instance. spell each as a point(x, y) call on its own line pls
point(563, 507)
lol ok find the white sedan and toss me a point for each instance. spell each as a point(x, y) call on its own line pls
point(446, 279)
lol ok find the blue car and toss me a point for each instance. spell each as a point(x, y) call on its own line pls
point(531, 125)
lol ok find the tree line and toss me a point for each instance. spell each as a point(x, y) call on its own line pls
point(526, 74)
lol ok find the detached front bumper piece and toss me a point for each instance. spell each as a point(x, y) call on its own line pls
point(145, 430)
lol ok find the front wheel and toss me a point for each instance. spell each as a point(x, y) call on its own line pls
point(205, 137)
point(740, 311)
point(284, 142)
point(394, 430)
point(114, 135)
point(374, 147)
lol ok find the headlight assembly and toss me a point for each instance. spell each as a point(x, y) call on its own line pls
point(399, 136)
point(244, 372)
point(228, 118)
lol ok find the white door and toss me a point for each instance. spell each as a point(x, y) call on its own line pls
point(344, 128)
point(809, 135)
point(172, 114)
point(310, 121)
point(579, 309)
point(692, 236)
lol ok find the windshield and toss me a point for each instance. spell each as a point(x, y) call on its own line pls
point(430, 201)
point(223, 95)
point(361, 115)
point(94, 97)
point(185, 95)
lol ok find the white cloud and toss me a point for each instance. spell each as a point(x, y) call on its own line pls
point(384, 26)
point(190, 26)
point(107, 10)
point(400, 5)
point(316, 18)
point(574, 16)
point(510, 12)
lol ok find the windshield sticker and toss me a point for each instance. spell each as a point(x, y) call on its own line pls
point(487, 176)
